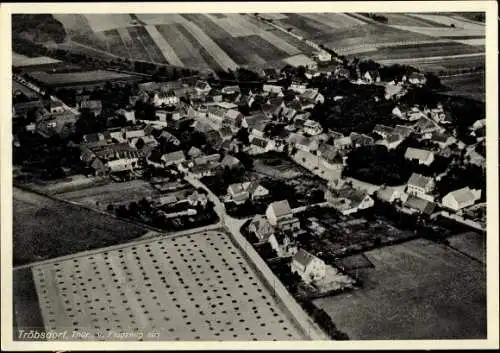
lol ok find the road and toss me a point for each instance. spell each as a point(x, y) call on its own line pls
point(233, 226)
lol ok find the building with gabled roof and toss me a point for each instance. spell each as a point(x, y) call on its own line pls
point(420, 205)
point(461, 198)
point(308, 266)
point(173, 158)
point(422, 156)
point(261, 227)
point(420, 185)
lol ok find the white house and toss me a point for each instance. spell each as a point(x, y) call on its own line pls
point(423, 156)
point(324, 56)
point(312, 127)
point(298, 87)
point(277, 211)
point(121, 164)
point(163, 99)
point(308, 267)
point(348, 200)
point(417, 78)
point(461, 198)
point(420, 185)
point(202, 88)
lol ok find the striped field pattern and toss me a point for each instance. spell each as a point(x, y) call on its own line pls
point(230, 40)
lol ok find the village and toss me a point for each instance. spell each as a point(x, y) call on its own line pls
point(264, 150)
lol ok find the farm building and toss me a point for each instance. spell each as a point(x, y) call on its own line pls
point(308, 266)
point(415, 204)
point(173, 158)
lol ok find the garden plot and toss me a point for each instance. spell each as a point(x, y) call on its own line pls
point(193, 287)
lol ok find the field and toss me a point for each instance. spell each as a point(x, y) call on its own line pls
point(193, 287)
point(19, 60)
point(471, 244)
point(191, 40)
point(46, 228)
point(74, 78)
point(416, 290)
point(222, 41)
point(100, 197)
point(471, 85)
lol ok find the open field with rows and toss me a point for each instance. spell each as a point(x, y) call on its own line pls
point(415, 290)
point(222, 41)
point(192, 287)
point(45, 228)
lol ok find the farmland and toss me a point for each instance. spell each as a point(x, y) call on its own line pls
point(222, 41)
point(417, 290)
point(192, 287)
point(75, 78)
point(45, 228)
point(467, 85)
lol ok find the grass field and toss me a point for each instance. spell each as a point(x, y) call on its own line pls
point(416, 290)
point(401, 19)
point(61, 79)
point(113, 193)
point(193, 287)
point(470, 243)
point(46, 228)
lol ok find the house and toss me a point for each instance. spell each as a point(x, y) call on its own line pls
point(308, 267)
point(424, 157)
point(473, 157)
point(56, 107)
point(426, 126)
point(323, 56)
point(403, 131)
point(261, 227)
point(261, 145)
point(277, 211)
point(371, 76)
point(194, 152)
point(226, 133)
point(207, 169)
point(312, 127)
point(235, 119)
point(298, 87)
point(237, 193)
point(258, 129)
point(359, 140)
point(312, 96)
point(273, 89)
point(230, 162)
point(283, 244)
point(230, 90)
point(121, 164)
point(420, 185)
point(94, 106)
point(342, 72)
point(391, 141)
point(388, 194)
point(443, 140)
point(162, 99)
point(270, 74)
point(415, 204)
point(461, 198)
point(383, 130)
point(343, 143)
point(417, 78)
point(173, 158)
point(255, 190)
point(348, 200)
point(202, 88)
point(129, 115)
point(240, 192)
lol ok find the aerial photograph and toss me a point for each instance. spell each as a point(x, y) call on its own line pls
point(316, 176)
